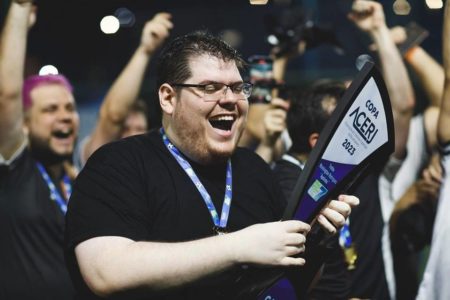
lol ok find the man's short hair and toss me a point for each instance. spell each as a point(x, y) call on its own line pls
point(310, 110)
point(34, 81)
point(173, 63)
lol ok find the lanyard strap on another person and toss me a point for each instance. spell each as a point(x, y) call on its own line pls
point(350, 252)
point(345, 238)
point(54, 193)
point(221, 224)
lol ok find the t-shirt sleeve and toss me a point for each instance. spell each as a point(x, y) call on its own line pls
point(108, 198)
point(416, 158)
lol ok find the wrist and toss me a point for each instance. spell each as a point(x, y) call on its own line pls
point(378, 32)
point(229, 242)
point(269, 141)
point(143, 50)
point(409, 55)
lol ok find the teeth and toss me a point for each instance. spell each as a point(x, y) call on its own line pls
point(223, 118)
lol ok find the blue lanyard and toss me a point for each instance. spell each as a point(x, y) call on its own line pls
point(205, 195)
point(54, 194)
point(345, 238)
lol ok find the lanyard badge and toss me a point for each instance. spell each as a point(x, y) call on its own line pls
point(54, 193)
point(219, 224)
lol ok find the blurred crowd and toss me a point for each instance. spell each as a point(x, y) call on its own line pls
point(391, 246)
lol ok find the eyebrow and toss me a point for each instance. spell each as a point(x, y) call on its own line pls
point(213, 81)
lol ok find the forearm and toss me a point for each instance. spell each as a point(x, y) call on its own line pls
point(125, 89)
point(111, 264)
point(153, 266)
point(444, 117)
point(398, 85)
point(430, 73)
point(13, 48)
point(12, 58)
point(443, 131)
point(118, 101)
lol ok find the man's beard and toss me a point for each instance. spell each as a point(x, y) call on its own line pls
point(196, 148)
point(42, 152)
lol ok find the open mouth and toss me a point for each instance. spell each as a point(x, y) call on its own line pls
point(62, 134)
point(222, 122)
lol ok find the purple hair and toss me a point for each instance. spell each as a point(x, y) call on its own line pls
point(38, 80)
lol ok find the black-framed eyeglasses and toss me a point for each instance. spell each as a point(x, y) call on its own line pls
point(214, 91)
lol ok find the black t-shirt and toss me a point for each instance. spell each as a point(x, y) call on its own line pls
point(31, 236)
point(135, 188)
point(366, 227)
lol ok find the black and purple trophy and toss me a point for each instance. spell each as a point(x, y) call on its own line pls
point(359, 133)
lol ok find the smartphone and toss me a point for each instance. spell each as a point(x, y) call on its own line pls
point(415, 34)
point(261, 76)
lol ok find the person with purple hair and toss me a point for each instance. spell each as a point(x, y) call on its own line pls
point(37, 139)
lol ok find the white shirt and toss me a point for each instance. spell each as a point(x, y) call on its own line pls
point(435, 279)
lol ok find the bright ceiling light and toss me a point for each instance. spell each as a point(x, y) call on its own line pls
point(109, 25)
point(258, 2)
point(434, 4)
point(48, 70)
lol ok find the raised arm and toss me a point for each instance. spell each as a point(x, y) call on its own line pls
point(125, 89)
point(369, 17)
point(271, 146)
point(444, 116)
point(430, 73)
point(12, 59)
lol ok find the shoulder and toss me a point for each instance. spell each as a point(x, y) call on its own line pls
point(128, 149)
point(248, 157)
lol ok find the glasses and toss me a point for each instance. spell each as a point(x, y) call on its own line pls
point(216, 90)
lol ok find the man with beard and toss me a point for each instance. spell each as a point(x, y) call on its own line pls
point(37, 138)
point(144, 220)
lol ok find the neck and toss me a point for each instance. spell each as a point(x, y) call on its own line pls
point(204, 159)
point(301, 157)
point(55, 171)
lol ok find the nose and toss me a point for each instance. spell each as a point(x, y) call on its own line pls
point(65, 114)
point(228, 97)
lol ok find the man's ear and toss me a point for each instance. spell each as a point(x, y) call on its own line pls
point(167, 98)
point(312, 140)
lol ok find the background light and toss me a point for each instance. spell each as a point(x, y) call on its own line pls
point(126, 17)
point(48, 70)
point(434, 4)
point(402, 7)
point(109, 25)
point(258, 2)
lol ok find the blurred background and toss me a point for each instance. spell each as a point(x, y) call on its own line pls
point(68, 35)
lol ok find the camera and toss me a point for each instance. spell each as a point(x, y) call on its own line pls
point(261, 76)
point(287, 30)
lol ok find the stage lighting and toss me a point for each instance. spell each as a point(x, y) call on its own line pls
point(258, 2)
point(434, 4)
point(109, 25)
point(48, 70)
